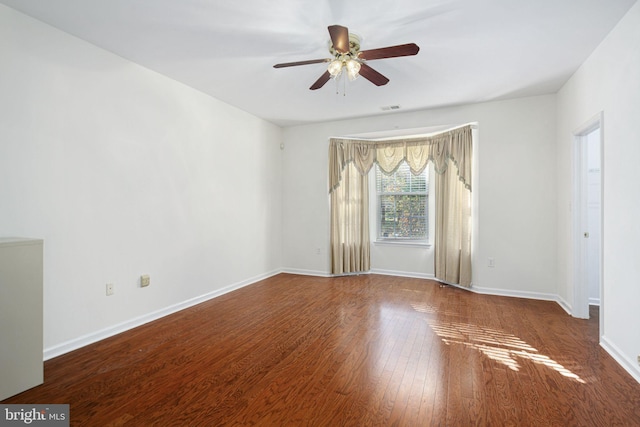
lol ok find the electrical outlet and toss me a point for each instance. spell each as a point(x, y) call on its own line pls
point(639, 359)
point(491, 262)
point(145, 280)
point(109, 289)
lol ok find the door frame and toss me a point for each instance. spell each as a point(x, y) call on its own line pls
point(580, 305)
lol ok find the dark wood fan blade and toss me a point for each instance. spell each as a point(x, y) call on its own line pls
point(372, 75)
point(390, 52)
point(339, 38)
point(294, 64)
point(321, 81)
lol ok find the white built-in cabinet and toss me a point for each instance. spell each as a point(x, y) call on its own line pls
point(21, 355)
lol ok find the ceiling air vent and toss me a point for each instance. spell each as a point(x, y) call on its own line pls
point(390, 107)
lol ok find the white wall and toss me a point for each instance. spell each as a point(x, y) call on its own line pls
point(515, 189)
point(608, 82)
point(125, 172)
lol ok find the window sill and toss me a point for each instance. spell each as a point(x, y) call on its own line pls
point(403, 243)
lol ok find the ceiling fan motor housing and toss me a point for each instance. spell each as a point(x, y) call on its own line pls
point(354, 46)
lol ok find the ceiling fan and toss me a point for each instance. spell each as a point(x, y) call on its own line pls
point(346, 55)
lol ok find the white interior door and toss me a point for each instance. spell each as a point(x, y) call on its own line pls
point(593, 207)
point(587, 219)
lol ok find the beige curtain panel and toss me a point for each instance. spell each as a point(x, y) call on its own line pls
point(350, 242)
point(453, 229)
point(451, 153)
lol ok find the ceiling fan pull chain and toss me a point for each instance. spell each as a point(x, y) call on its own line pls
point(344, 86)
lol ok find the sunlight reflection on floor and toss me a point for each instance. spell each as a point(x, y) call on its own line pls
point(495, 344)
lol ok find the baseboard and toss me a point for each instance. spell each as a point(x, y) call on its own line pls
point(516, 294)
point(565, 305)
point(303, 272)
point(93, 337)
point(618, 356)
point(402, 274)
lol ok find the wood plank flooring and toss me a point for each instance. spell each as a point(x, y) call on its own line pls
point(351, 351)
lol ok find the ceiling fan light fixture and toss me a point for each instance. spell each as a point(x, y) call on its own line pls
point(335, 67)
point(353, 68)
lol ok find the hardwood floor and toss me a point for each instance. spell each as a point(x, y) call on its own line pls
point(351, 351)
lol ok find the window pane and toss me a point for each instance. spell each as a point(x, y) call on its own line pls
point(417, 204)
point(418, 226)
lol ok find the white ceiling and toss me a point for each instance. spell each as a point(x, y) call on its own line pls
point(470, 50)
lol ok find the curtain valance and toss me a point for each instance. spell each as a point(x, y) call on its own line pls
point(455, 145)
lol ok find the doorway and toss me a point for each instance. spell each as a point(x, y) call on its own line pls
point(587, 219)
